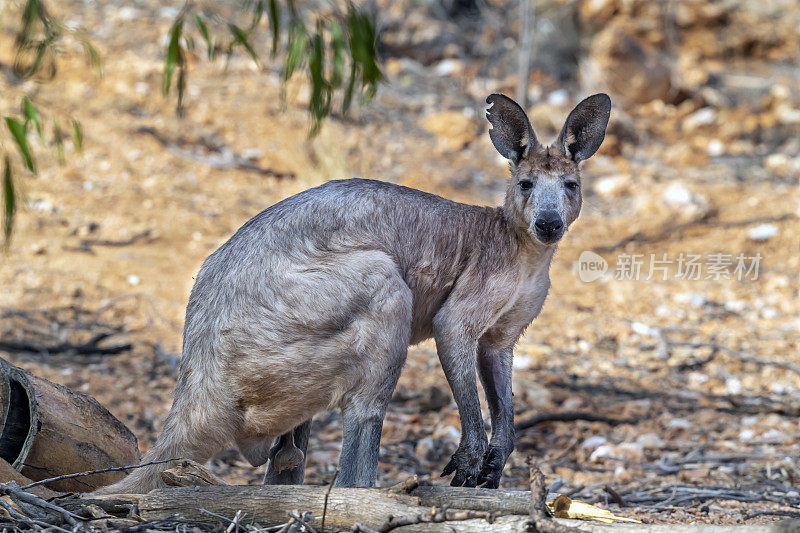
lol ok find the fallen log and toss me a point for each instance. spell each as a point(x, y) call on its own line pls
point(49, 430)
point(268, 504)
point(375, 509)
point(8, 473)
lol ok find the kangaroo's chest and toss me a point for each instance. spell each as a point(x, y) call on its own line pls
point(529, 301)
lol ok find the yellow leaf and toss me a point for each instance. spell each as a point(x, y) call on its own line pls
point(564, 507)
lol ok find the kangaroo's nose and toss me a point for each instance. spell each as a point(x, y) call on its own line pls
point(549, 222)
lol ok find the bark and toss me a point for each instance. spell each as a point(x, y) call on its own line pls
point(7, 473)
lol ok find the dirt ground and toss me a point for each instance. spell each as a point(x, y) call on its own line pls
point(697, 381)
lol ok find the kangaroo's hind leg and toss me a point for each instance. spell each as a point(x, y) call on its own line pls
point(287, 463)
point(383, 343)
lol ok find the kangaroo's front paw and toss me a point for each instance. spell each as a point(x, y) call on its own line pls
point(467, 463)
point(493, 462)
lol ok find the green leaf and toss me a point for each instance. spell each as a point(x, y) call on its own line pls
point(93, 57)
point(351, 83)
point(258, 13)
point(338, 46)
point(362, 47)
point(32, 115)
point(77, 135)
point(207, 37)
point(298, 44)
point(181, 88)
point(274, 24)
point(20, 134)
point(174, 54)
point(242, 38)
point(319, 106)
point(58, 136)
point(9, 203)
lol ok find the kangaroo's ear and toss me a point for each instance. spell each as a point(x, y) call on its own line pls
point(585, 128)
point(511, 131)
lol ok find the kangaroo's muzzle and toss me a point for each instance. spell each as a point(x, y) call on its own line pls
point(549, 227)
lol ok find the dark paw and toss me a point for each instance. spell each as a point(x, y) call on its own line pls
point(466, 463)
point(493, 462)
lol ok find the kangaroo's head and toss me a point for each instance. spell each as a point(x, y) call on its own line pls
point(544, 193)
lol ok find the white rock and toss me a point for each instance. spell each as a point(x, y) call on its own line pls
point(770, 313)
point(644, 329)
point(132, 279)
point(677, 194)
point(735, 305)
point(733, 386)
point(716, 148)
point(594, 442)
point(446, 67)
point(679, 423)
point(43, 205)
point(650, 441)
point(697, 378)
point(629, 451)
point(127, 13)
point(701, 117)
point(762, 232)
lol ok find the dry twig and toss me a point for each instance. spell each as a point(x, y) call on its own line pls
point(570, 416)
point(540, 519)
point(100, 471)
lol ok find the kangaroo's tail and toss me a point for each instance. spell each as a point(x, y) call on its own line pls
point(201, 421)
point(189, 433)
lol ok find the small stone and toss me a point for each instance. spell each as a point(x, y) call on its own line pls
point(702, 117)
point(733, 386)
point(679, 423)
point(677, 194)
point(762, 232)
point(132, 279)
point(644, 329)
point(594, 442)
point(627, 451)
point(715, 148)
point(650, 441)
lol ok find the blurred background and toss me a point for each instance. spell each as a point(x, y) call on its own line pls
point(138, 136)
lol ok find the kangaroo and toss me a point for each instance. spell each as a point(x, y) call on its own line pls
point(312, 305)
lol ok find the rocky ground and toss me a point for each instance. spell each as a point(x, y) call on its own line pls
point(694, 376)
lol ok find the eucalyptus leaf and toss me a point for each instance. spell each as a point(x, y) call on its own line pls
point(9, 202)
point(77, 135)
point(19, 132)
point(174, 54)
point(32, 115)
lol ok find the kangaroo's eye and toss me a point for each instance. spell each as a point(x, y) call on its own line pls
point(571, 185)
point(525, 185)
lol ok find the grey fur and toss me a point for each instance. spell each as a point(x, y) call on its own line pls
point(313, 303)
